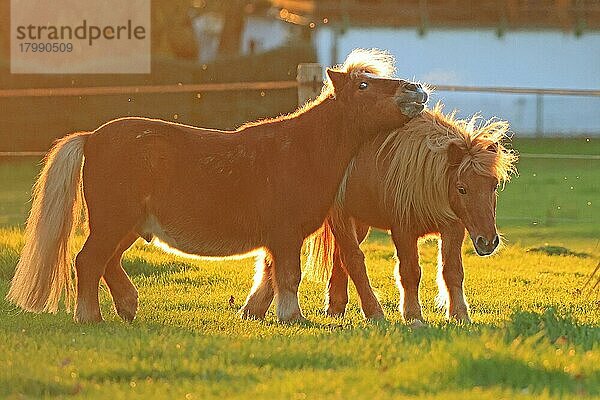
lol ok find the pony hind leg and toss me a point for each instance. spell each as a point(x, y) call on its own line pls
point(408, 275)
point(353, 260)
point(356, 267)
point(90, 265)
point(336, 298)
point(122, 290)
point(261, 296)
point(108, 230)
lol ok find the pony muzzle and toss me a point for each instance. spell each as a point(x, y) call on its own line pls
point(486, 246)
point(411, 98)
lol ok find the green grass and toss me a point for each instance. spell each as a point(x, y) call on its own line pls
point(566, 145)
point(534, 333)
point(554, 201)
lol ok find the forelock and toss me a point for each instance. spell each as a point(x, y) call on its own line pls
point(370, 61)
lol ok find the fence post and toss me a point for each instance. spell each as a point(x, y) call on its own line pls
point(310, 81)
point(539, 115)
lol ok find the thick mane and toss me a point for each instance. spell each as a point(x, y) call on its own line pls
point(359, 61)
point(413, 162)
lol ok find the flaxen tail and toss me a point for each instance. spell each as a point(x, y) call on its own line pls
point(44, 270)
point(319, 249)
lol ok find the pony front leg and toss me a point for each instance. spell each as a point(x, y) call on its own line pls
point(408, 275)
point(262, 292)
point(451, 273)
point(286, 276)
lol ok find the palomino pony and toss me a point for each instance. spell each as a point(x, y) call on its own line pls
point(436, 175)
point(205, 192)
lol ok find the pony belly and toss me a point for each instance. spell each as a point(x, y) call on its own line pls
point(176, 239)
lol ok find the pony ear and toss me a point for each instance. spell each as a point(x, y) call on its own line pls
point(455, 154)
point(337, 78)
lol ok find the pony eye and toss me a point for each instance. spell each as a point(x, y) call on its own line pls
point(363, 85)
point(462, 190)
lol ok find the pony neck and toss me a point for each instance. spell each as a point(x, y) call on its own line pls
point(330, 137)
point(330, 130)
point(329, 133)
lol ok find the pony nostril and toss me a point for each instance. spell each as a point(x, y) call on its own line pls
point(496, 241)
point(481, 241)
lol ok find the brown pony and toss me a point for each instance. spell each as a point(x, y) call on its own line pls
point(436, 175)
point(267, 185)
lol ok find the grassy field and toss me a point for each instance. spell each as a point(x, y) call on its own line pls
point(534, 333)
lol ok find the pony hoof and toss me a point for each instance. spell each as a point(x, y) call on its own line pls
point(127, 308)
point(463, 318)
point(335, 312)
point(248, 314)
point(296, 321)
point(378, 316)
point(296, 317)
point(126, 316)
point(80, 318)
point(373, 312)
point(417, 324)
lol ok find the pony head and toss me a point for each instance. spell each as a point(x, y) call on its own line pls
point(366, 85)
point(479, 165)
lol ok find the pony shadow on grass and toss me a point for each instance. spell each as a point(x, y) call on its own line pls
point(36, 388)
point(502, 371)
point(302, 350)
point(562, 333)
point(493, 369)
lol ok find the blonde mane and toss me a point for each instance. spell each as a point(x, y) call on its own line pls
point(413, 162)
point(360, 61)
point(369, 61)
